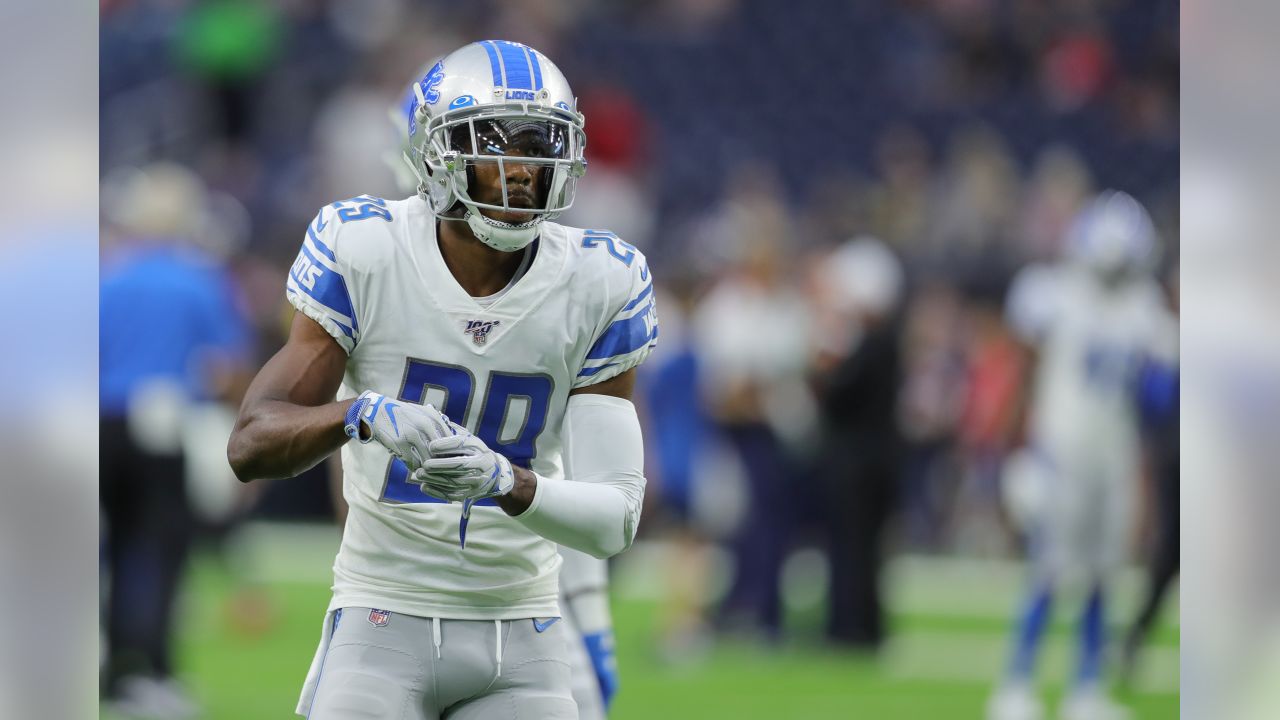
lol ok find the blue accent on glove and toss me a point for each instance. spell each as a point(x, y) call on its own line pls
point(352, 425)
point(361, 406)
point(600, 648)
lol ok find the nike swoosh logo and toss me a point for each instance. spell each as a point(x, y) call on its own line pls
point(543, 625)
point(390, 407)
point(320, 225)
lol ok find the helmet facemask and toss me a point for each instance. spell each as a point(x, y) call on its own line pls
point(455, 145)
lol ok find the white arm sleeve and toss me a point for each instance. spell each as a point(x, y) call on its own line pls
point(597, 508)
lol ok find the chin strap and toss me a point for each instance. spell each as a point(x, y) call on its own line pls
point(502, 236)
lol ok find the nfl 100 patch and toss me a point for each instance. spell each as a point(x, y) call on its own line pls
point(479, 330)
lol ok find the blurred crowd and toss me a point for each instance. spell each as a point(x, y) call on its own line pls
point(833, 201)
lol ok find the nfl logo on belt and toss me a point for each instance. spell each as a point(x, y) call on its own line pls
point(479, 330)
point(379, 618)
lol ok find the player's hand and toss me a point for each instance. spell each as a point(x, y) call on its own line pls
point(462, 467)
point(604, 662)
point(405, 429)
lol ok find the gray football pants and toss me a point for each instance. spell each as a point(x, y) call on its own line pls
point(401, 667)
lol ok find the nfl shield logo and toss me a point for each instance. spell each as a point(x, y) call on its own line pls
point(379, 618)
point(479, 330)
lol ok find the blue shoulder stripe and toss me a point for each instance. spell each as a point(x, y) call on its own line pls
point(639, 298)
point(324, 249)
point(623, 337)
point(327, 287)
point(588, 372)
point(346, 330)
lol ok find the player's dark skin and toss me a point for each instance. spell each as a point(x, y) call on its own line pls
point(289, 420)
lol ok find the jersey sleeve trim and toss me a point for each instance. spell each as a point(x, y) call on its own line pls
point(646, 292)
point(327, 286)
point(344, 335)
point(313, 233)
point(625, 336)
point(626, 341)
point(317, 288)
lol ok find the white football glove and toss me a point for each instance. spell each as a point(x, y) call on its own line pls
point(405, 429)
point(462, 467)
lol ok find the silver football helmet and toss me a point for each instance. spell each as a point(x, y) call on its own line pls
point(1113, 235)
point(498, 103)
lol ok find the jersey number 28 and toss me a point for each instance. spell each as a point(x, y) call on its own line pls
point(505, 393)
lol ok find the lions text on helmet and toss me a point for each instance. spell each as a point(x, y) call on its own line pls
point(495, 140)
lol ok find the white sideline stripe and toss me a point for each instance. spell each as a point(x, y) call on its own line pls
point(992, 589)
point(980, 657)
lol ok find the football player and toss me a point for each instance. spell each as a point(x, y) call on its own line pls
point(1091, 322)
point(483, 359)
point(584, 580)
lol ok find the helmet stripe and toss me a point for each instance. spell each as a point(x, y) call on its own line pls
point(493, 62)
point(537, 68)
point(517, 65)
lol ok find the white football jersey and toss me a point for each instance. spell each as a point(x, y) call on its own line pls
point(371, 273)
point(1092, 341)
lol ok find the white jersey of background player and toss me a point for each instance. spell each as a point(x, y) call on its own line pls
point(1091, 320)
point(533, 375)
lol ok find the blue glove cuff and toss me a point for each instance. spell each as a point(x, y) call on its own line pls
point(352, 425)
point(600, 648)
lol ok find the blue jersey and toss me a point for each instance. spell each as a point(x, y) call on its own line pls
point(160, 309)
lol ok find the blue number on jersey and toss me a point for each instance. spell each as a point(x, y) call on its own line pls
point(1109, 367)
point(458, 384)
point(503, 390)
point(593, 238)
point(362, 208)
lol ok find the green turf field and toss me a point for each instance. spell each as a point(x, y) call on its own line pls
point(246, 658)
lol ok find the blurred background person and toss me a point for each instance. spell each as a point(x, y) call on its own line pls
point(929, 412)
point(1090, 321)
point(1158, 395)
point(171, 335)
point(751, 329)
point(994, 367)
point(858, 379)
point(678, 437)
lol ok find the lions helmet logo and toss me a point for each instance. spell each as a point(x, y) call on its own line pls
point(431, 83)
